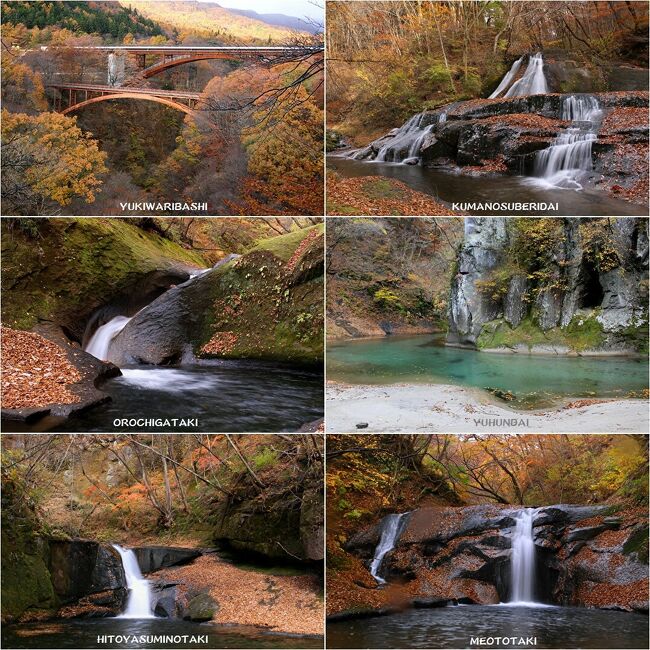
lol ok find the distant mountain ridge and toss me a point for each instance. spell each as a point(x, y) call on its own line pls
point(282, 20)
point(211, 17)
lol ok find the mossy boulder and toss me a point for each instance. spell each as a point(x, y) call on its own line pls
point(201, 608)
point(266, 304)
point(63, 270)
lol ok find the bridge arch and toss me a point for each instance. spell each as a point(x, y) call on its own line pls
point(127, 95)
point(159, 67)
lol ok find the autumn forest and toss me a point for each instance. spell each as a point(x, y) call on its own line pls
point(234, 134)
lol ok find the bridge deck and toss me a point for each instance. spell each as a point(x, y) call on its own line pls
point(180, 49)
point(127, 89)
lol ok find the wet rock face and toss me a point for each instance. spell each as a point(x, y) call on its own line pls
point(152, 558)
point(81, 567)
point(591, 283)
point(585, 555)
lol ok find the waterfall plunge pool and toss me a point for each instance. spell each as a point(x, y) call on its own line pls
point(449, 187)
point(84, 634)
point(232, 396)
point(454, 627)
point(536, 381)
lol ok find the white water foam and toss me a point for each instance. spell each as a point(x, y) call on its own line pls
point(139, 603)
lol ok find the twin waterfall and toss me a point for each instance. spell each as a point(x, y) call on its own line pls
point(391, 528)
point(522, 558)
point(139, 602)
point(522, 561)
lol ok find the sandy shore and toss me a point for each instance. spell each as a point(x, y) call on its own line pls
point(446, 408)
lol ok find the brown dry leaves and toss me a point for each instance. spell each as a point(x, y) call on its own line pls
point(35, 371)
point(282, 603)
point(357, 196)
point(220, 343)
point(304, 245)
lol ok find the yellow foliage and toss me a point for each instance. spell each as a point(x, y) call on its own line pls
point(49, 157)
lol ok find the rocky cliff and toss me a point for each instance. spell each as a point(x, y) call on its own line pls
point(590, 556)
point(561, 286)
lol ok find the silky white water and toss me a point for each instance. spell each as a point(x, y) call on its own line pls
point(100, 342)
point(139, 602)
point(522, 559)
point(391, 528)
point(566, 161)
point(533, 82)
point(505, 82)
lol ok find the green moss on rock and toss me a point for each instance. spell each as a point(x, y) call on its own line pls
point(582, 334)
point(26, 580)
point(72, 266)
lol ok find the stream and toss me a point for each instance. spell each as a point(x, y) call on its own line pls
point(85, 633)
point(454, 627)
point(224, 395)
point(449, 187)
point(537, 381)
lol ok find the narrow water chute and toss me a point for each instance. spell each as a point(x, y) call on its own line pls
point(522, 559)
point(391, 529)
point(139, 600)
point(100, 342)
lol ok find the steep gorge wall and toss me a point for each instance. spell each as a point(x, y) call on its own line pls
point(551, 286)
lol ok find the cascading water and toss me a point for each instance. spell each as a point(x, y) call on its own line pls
point(402, 145)
point(139, 603)
point(100, 342)
point(391, 529)
point(505, 82)
point(569, 157)
point(522, 561)
point(533, 82)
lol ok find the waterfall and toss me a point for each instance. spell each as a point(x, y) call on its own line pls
point(505, 82)
point(100, 342)
point(391, 528)
point(522, 562)
point(139, 602)
point(533, 82)
point(115, 70)
point(569, 157)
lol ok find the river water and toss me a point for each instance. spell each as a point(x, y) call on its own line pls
point(454, 627)
point(86, 634)
point(449, 187)
point(231, 396)
point(535, 380)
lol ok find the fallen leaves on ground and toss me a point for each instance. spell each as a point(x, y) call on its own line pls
point(35, 372)
point(377, 195)
point(304, 245)
point(283, 603)
point(220, 343)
